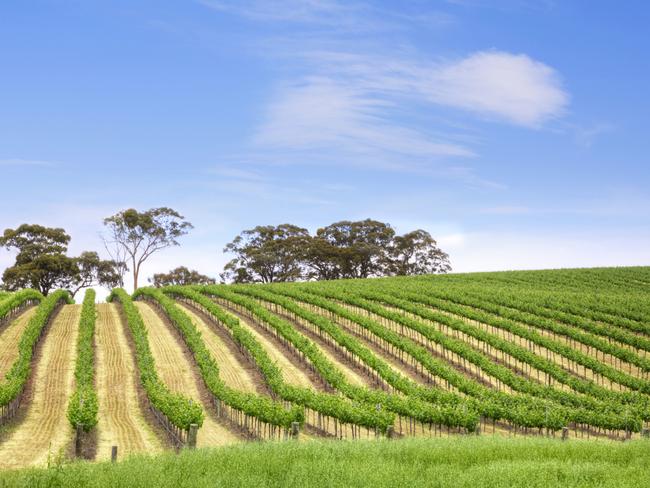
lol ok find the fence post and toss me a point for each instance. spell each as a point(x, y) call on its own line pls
point(191, 436)
point(77, 441)
point(295, 430)
point(565, 433)
point(113, 454)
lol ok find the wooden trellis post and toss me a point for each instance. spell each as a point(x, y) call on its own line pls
point(191, 436)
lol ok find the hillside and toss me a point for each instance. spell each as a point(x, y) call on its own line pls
point(560, 353)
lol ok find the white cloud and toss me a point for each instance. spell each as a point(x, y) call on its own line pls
point(512, 87)
point(355, 99)
point(368, 108)
point(498, 84)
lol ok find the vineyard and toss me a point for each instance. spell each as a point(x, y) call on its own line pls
point(561, 354)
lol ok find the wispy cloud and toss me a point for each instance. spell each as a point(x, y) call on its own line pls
point(355, 100)
point(506, 5)
point(310, 11)
point(322, 112)
point(585, 136)
point(341, 15)
point(357, 103)
point(505, 210)
point(27, 163)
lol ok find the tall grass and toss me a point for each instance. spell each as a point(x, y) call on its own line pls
point(458, 462)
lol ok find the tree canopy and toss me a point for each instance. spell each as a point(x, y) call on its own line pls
point(266, 254)
point(42, 263)
point(138, 235)
point(345, 249)
point(181, 276)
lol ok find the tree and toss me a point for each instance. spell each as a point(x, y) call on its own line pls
point(90, 270)
point(323, 260)
point(416, 253)
point(181, 276)
point(345, 249)
point(357, 249)
point(141, 234)
point(267, 254)
point(41, 262)
point(118, 256)
point(33, 240)
point(44, 273)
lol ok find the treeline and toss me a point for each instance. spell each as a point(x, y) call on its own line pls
point(42, 262)
point(264, 254)
point(345, 249)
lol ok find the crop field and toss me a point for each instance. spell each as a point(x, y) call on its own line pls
point(560, 355)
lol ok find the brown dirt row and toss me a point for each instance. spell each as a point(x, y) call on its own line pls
point(121, 419)
point(498, 356)
point(176, 371)
point(10, 337)
point(231, 368)
point(606, 358)
point(351, 371)
point(404, 365)
point(293, 371)
point(44, 431)
point(568, 365)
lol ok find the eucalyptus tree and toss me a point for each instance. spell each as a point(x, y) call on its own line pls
point(181, 276)
point(42, 263)
point(267, 254)
point(138, 235)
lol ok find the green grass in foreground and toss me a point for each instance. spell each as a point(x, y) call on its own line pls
point(469, 461)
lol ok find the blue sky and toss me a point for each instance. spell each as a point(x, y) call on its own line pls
point(514, 131)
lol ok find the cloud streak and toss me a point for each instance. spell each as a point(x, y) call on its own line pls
point(358, 104)
point(311, 11)
point(349, 98)
point(16, 162)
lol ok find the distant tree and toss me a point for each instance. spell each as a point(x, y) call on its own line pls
point(45, 273)
point(416, 253)
point(41, 262)
point(267, 254)
point(181, 276)
point(33, 240)
point(90, 270)
point(345, 249)
point(350, 249)
point(140, 234)
point(323, 260)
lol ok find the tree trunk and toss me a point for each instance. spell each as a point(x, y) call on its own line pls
point(136, 272)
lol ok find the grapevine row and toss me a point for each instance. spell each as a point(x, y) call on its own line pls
point(83, 406)
point(324, 406)
point(176, 412)
point(15, 380)
point(253, 407)
point(585, 410)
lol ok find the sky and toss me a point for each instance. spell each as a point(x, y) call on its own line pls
point(514, 131)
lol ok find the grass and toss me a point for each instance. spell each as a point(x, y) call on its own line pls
point(458, 462)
